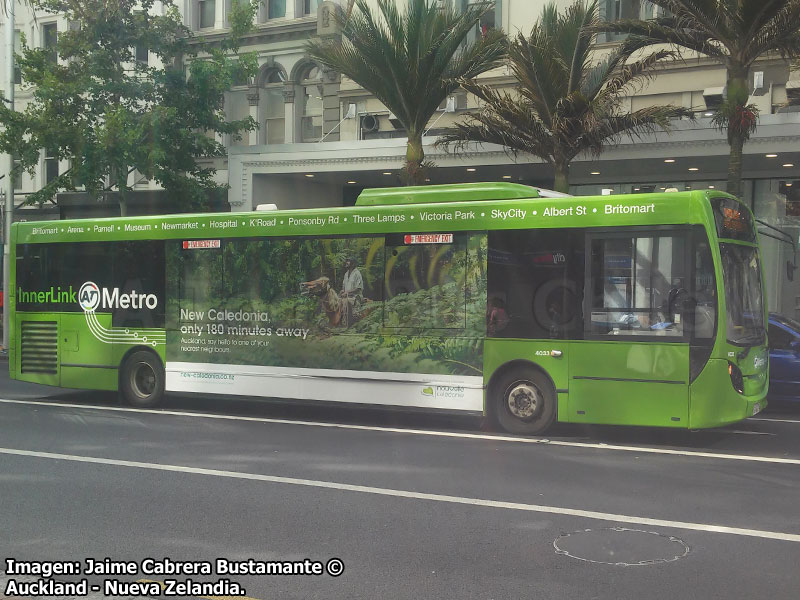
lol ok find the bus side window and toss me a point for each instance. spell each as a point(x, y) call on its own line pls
point(200, 277)
point(425, 284)
point(535, 284)
point(34, 268)
point(704, 294)
point(639, 285)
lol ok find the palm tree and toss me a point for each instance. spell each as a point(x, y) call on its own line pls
point(411, 61)
point(734, 32)
point(564, 103)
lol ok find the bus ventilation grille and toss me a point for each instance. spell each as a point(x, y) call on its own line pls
point(39, 347)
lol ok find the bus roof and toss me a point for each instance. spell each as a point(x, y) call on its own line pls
point(454, 192)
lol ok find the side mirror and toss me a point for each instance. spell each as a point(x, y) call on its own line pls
point(794, 346)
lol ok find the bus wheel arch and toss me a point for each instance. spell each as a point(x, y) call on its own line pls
point(141, 377)
point(521, 398)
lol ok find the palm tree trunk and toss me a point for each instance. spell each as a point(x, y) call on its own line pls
point(736, 141)
point(414, 157)
point(737, 95)
point(561, 182)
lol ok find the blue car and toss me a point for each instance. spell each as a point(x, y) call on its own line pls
point(784, 358)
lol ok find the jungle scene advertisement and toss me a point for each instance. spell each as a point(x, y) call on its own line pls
point(396, 303)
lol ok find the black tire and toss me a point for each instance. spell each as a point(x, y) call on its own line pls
point(141, 379)
point(524, 401)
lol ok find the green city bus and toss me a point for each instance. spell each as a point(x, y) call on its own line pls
point(491, 298)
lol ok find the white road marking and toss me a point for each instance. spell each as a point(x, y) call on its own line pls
point(332, 485)
point(775, 420)
point(451, 434)
point(745, 432)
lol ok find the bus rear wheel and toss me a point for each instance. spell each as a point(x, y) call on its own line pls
point(524, 401)
point(141, 381)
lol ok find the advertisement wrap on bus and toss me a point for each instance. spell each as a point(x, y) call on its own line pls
point(643, 309)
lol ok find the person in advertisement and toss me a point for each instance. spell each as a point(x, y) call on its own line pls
point(352, 292)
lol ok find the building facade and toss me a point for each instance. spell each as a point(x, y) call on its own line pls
point(322, 139)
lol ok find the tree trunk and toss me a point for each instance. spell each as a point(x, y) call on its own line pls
point(736, 141)
point(561, 182)
point(414, 174)
point(737, 94)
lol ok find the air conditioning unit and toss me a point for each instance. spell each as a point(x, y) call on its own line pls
point(793, 88)
point(713, 97)
point(395, 122)
point(369, 123)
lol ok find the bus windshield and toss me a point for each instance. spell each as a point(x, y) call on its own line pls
point(741, 270)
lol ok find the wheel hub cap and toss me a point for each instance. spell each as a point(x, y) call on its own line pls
point(143, 379)
point(523, 400)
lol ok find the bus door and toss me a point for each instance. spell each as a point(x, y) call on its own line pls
point(632, 367)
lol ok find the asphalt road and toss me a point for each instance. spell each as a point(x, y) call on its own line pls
point(414, 505)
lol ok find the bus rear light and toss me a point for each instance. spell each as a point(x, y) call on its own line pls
point(737, 381)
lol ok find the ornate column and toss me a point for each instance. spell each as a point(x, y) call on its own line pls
point(330, 104)
point(289, 112)
point(219, 13)
point(252, 101)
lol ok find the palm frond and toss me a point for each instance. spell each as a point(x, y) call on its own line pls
point(507, 124)
point(645, 121)
point(551, 117)
point(543, 76)
point(627, 78)
point(781, 33)
point(668, 30)
point(410, 60)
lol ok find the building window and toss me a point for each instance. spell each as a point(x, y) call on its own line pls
point(232, 3)
point(207, 12)
point(490, 20)
point(310, 7)
point(240, 76)
point(457, 101)
point(50, 39)
point(142, 54)
point(276, 9)
point(17, 50)
point(50, 165)
point(311, 105)
point(274, 108)
point(487, 22)
point(616, 10)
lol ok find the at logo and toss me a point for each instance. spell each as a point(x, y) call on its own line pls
point(89, 296)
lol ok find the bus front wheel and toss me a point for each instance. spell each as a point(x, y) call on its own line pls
point(142, 379)
point(524, 401)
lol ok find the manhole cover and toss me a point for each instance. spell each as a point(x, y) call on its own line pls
point(621, 546)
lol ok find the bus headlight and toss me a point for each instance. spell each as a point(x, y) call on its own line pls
point(737, 381)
